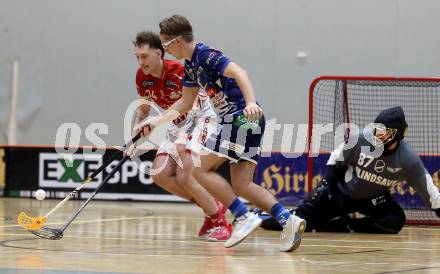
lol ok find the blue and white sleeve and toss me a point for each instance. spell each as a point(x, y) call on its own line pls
point(189, 79)
point(213, 61)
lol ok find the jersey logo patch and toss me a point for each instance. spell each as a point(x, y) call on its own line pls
point(171, 84)
point(394, 169)
point(379, 166)
point(147, 83)
point(210, 56)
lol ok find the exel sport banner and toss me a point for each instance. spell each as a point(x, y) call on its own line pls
point(28, 169)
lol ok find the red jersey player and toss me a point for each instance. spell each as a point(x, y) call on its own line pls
point(159, 81)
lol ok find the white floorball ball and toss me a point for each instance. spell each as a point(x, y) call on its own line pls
point(40, 194)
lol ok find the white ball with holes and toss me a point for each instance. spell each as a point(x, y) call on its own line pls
point(40, 194)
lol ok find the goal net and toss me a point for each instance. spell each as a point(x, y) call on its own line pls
point(336, 100)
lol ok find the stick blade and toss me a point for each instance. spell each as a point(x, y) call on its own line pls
point(30, 223)
point(48, 233)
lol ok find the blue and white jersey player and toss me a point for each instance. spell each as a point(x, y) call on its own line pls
point(242, 121)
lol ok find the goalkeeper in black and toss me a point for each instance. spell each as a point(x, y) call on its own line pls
point(359, 176)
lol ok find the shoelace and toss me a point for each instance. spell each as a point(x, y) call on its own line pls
point(214, 229)
point(226, 226)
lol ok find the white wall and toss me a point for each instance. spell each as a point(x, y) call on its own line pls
point(77, 62)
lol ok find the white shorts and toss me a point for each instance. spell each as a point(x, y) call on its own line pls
point(193, 130)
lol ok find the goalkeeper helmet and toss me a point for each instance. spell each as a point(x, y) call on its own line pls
point(389, 126)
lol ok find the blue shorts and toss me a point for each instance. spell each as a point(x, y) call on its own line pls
point(238, 139)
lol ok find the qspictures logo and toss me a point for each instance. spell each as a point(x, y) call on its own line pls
point(66, 171)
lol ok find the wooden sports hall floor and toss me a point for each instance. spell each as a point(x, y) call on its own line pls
point(129, 237)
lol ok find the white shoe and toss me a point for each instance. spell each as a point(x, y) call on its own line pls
point(243, 226)
point(291, 236)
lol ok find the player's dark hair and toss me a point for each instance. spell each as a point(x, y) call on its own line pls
point(148, 38)
point(177, 25)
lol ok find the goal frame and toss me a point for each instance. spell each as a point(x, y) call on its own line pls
point(342, 78)
point(312, 87)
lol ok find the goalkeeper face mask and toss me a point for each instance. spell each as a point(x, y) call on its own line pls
point(383, 135)
point(389, 126)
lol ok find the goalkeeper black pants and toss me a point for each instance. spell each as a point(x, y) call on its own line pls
point(331, 213)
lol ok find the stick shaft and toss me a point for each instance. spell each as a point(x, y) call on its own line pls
point(101, 168)
point(68, 197)
point(107, 178)
point(92, 176)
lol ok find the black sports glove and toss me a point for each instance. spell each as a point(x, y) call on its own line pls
point(331, 179)
point(437, 211)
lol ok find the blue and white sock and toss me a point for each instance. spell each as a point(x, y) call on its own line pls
point(238, 208)
point(280, 213)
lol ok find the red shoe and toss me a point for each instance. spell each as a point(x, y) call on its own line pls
point(209, 223)
point(204, 230)
point(220, 233)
